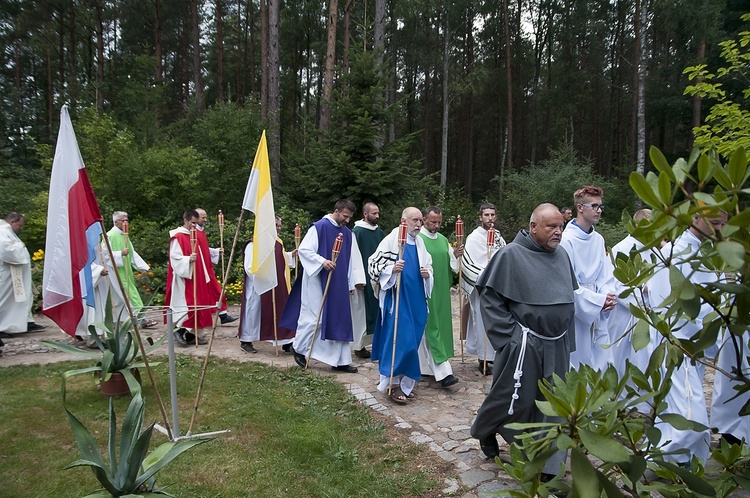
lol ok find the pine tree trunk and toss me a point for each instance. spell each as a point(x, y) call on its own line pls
point(274, 97)
point(200, 102)
point(99, 57)
point(325, 111)
point(219, 50)
point(446, 105)
point(263, 59)
point(158, 45)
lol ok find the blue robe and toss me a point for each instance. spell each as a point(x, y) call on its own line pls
point(412, 318)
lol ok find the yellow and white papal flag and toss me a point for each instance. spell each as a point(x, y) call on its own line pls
point(259, 200)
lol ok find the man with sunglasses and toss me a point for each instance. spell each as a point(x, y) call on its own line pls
point(593, 270)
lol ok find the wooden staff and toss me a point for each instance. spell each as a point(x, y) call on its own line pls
point(193, 243)
point(401, 242)
point(126, 262)
point(460, 242)
point(221, 241)
point(297, 238)
point(490, 246)
point(334, 256)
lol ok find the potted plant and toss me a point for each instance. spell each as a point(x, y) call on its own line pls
point(132, 471)
point(116, 360)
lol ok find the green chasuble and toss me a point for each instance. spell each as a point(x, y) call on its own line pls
point(367, 241)
point(439, 329)
point(126, 271)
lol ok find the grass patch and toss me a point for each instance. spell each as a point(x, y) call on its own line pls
point(292, 434)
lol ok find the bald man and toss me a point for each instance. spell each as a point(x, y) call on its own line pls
point(415, 269)
point(526, 296)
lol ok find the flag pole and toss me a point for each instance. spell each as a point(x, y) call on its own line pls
point(334, 256)
point(401, 242)
point(297, 238)
point(275, 332)
point(138, 337)
point(213, 329)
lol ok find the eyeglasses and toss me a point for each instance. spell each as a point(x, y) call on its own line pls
point(595, 207)
point(120, 221)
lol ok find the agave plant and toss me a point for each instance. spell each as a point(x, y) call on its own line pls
point(118, 352)
point(131, 471)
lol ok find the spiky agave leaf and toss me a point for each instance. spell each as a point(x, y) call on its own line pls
point(90, 451)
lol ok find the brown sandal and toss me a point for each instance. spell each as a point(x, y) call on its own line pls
point(397, 395)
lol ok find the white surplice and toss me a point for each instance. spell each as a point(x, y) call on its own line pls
point(16, 295)
point(593, 270)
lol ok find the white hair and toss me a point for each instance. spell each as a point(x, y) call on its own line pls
point(117, 214)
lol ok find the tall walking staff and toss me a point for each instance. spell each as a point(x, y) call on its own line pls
point(126, 258)
point(297, 238)
point(334, 256)
point(193, 243)
point(490, 246)
point(221, 244)
point(460, 242)
point(401, 243)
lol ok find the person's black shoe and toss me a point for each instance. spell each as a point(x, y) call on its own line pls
point(346, 368)
point(33, 327)
point(287, 348)
point(225, 318)
point(190, 339)
point(362, 353)
point(179, 337)
point(300, 359)
point(449, 381)
point(248, 347)
point(489, 446)
point(5, 335)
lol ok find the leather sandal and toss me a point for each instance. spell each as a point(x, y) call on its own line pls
point(397, 395)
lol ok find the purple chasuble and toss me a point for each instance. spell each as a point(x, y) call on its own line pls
point(336, 322)
point(266, 301)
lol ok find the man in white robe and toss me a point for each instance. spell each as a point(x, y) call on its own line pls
point(188, 264)
point(257, 320)
point(621, 322)
point(593, 269)
point(120, 254)
point(16, 294)
point(686, 396)
point(94, 314)
point(331, 342)
point(477, 254)
point(725, 404)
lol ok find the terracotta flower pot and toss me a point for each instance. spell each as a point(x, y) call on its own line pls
point(117, 385)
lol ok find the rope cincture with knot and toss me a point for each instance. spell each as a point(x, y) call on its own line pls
point(518, 373)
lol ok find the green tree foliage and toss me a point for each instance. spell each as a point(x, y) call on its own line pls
point(352, 161)
point(555, 180)
point(726, 126)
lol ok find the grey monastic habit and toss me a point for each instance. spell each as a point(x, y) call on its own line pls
point(525, 286)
